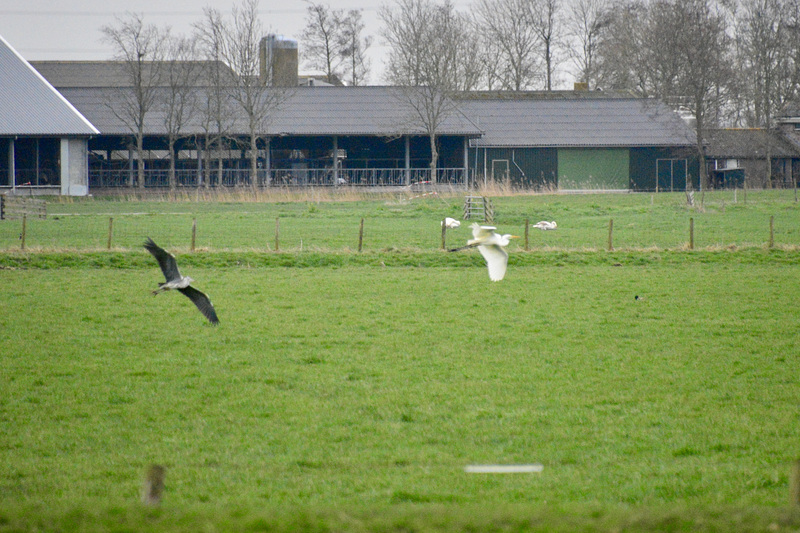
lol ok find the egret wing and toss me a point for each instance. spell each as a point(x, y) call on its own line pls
point(202, 302)
point(496, 260)
point(165, 260)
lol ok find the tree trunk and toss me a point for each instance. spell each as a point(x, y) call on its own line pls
point(172, 180)
point(140, 159)
point(434, 157)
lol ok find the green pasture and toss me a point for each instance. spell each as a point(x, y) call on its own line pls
point(640, 221)
point(657, 386)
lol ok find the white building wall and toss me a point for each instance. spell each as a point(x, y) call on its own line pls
point(74, 166)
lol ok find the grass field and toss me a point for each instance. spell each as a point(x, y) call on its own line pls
point(343, 391)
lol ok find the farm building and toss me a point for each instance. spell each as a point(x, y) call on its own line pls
point(739, 156)
point(580, 140)
point(368, 136)
point(43, 138)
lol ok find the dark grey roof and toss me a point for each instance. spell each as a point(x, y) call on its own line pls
point(574, 119)
point(73, 74)
point(367, 110)
point(751, 143)
point(31, 106)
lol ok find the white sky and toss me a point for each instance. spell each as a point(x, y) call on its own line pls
point(69, 30)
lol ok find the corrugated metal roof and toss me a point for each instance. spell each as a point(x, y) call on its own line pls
point(370, 110)
point(72, 74)
point(733, 143)
point(29, 105)
point(567, 120)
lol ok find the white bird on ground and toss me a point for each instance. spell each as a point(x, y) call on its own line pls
point(182, 283)
point(491, 245)
point(545, 225)
point(451, 223)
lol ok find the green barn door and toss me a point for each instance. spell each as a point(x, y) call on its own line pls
point(594, 169)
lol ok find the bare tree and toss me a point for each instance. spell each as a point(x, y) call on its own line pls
point(322, 40)
point(429, 61)
point(514, 38)
point(543, 15)
point(214, 106)
point(767, 47)
point(701, 48)
point(586, 22)
point(353, 48)
point(624, 56)
point(238, 41)
point(140, 49)
point(178, 98)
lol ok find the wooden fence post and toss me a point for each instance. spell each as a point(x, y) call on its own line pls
point(360, 234)
point(611, 235)
point(794, 483)
point(277, 234)
point(771, 231)
point(24, 229)
point(691, 233)
point(194, 232)
point(110, 230)
point(444, 232)
point(527, 229)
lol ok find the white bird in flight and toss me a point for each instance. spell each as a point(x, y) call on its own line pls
point(451, 223)
point(545, 225)
point(182, 283)
point(491, 245)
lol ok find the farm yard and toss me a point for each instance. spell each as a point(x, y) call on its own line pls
point(650, 372)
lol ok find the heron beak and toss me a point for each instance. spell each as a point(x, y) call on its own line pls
point(514, 237)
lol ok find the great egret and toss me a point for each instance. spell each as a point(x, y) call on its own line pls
point(451, 223)
point(491, 245)
point(545, 225)
point(182, 283)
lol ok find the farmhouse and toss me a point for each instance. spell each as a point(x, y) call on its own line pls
point(360, 136)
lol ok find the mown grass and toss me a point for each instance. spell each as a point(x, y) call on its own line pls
point(347, 391)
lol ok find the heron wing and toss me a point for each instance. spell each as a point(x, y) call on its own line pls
point(496, 260)
point(165, 260)
point(202, 302)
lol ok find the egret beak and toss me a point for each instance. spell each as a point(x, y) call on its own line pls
point(514, 237)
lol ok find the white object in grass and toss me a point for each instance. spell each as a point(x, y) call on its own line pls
point(503, 469)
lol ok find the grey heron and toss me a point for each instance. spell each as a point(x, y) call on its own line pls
point(491, 245)
point(174, 280)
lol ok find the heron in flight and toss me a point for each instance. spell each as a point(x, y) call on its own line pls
point(491, 245)
point(182, 283)
point(545, 225)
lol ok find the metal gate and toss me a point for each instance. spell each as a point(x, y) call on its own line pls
point(671, 174)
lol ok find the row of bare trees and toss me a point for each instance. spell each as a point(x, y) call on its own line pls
point(724, 62)
point(165, 78)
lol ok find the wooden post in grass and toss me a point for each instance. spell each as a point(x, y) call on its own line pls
point(611, 235)
point(794, 483)
point(110, 230)
point(691, 233)
point(194, 232)
point(527, 229)
point(24, 230)
point(277, 233)
point(444, 232)
point(360, 234)
point(771, 231)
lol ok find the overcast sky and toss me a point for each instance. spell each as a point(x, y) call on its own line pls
point(69, 30)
